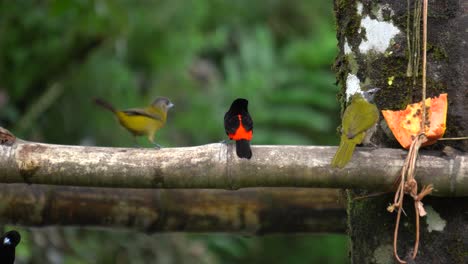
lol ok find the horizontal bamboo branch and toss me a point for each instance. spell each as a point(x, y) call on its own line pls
point(251, 210)
point(217, 166)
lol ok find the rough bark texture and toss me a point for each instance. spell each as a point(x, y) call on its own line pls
point(217, 166)
point(250, 211)
point(385, 66)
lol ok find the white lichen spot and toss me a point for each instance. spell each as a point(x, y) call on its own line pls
point(353, 85)
point(379, 15)
point(378, 35)
point(383, 254)
point(433, 220)
point(347, 48)
point(359, 8)
point(383, 8)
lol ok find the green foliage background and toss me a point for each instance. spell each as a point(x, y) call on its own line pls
point(55, 56)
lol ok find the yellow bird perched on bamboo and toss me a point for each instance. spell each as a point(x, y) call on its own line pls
point(141, 121)
point(360, 116)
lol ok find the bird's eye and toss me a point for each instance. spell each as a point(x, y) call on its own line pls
point(6, 241)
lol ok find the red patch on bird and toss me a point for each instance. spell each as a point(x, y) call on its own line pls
point(241, 132)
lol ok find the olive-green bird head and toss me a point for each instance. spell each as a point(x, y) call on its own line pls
point(370, 94)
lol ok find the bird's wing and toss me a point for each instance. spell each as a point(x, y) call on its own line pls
point(231, 123)
point(247, 122)
point(359, 117)
point(141, 112)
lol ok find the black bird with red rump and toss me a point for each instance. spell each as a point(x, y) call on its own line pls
point(239, 127)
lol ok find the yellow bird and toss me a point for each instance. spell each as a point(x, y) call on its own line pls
point(360, 116)
point(141, 121)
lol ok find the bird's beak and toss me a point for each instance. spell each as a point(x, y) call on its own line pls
point(170, 105)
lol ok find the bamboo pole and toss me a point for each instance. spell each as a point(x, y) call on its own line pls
point(251, 210)
point(217, 166)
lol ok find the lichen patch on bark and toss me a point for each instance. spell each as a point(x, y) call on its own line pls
point(434, 221)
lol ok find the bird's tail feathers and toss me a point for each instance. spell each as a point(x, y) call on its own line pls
point(243, 149)
point(343, 154)
point(104, 104)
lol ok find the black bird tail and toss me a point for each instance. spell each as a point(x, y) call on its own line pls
point(104, 104)
point(243, 149)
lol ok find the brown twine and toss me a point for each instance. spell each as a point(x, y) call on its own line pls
point(407, 181)
point(408, 185)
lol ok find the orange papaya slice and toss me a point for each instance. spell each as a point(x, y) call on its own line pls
point(406, 124)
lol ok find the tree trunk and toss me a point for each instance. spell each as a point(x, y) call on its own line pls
point(374, 50)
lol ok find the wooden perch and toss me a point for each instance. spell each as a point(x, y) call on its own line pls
point(217, 166)
point(251, 210)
